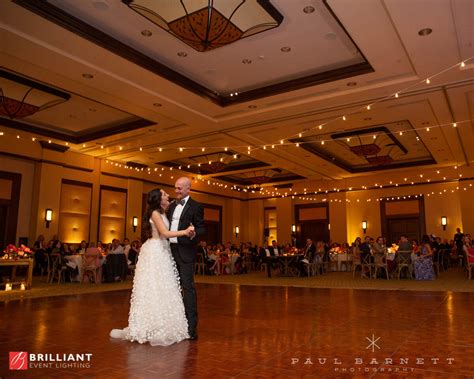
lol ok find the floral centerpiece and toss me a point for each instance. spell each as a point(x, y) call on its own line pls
point(13, 252)
point(337, 250)
point(392, 249)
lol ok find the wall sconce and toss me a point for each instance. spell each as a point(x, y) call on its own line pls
point(329, 226)
point(236, 231)
point(364, 226)
point(134, 223)
point(444, 222)
point(48, 216)
point(293, 228)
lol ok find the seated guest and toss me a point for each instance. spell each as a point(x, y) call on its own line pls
point(404, 244)
point(366, 254)
point(308, 257)
point(468, 249)
point(424, 263)
point(66, 250)
point(203, 254)
point(269, 257)
point(116, 247)
point(82, 248)
point(116, 265)
point(39, 248)
point(275, 249)
point(126, 246)
point(133, 252)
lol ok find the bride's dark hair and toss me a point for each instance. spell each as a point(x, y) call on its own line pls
point(153, 204)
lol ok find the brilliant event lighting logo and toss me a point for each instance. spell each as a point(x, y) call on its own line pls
point(18, 360)
point(21, 360)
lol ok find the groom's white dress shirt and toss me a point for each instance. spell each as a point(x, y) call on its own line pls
point(175, 218)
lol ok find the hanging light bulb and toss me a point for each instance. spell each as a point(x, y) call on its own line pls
point(428, 81)
point(463, 64)
point(455, 125)
point(396, 95)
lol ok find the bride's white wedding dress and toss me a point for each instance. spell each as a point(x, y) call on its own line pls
point(156, 308)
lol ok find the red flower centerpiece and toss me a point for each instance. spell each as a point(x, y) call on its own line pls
point(13, 252)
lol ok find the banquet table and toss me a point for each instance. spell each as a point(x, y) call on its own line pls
point(14, 263)
point(287, 260)
point(339, 258)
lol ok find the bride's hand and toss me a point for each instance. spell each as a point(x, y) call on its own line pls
point(190, 231)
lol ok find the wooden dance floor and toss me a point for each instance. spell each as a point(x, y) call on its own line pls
point(251, 332)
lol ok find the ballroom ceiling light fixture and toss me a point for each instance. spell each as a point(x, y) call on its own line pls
point(21, 97)
point(207, 24)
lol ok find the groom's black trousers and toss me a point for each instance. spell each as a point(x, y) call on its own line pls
point(186, 274)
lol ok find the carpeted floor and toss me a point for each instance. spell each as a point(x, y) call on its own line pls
point(453, 280)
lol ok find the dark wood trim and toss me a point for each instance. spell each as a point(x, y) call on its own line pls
point(312, 205)
point(87, 185)
point(373, 130)
point(88, 32)
point(22, 157)
point(13, 205)
point(115, 189)
point(77, 183)
point(219, 223)
point(420, 215)
point(299, 222)
point(33, 84)
point(319, 152)
point(53, 146)
point(80, 137)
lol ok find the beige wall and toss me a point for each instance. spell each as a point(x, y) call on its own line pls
point(43, 172)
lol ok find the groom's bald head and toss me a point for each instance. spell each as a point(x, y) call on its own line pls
point(182, 187)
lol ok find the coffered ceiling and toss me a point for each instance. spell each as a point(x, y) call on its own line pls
point(353, 68)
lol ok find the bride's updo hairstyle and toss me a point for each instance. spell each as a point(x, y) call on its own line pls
point(153, 204)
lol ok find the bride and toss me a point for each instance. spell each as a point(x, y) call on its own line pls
point(156, 307)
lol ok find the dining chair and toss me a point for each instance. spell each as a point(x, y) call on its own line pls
point(89, 267)
point(404, 263)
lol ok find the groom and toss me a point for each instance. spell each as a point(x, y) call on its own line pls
point(182, 213)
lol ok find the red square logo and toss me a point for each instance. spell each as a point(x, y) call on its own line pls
point(18, 360)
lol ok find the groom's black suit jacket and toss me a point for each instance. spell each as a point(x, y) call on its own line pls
point(193, 213)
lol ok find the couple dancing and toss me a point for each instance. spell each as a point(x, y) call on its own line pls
point(159, 314)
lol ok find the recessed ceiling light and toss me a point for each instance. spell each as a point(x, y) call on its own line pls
point(157, 104)
point(146, 33)
point(425, 32)
point(351, 84)
point(251, 106)
point(308, 9)
point(285, 49)
point(246, 61)
point(182, 54)
point(87, 76)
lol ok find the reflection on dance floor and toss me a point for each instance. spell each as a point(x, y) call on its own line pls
point(253, 331)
